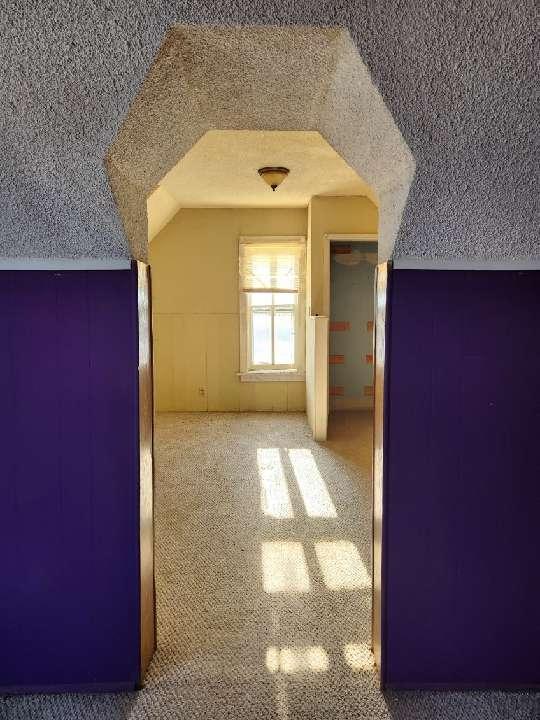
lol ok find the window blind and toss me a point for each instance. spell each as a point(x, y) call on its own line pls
point(272, 266)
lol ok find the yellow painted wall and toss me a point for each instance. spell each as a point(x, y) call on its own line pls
point(333, 215)
point(194, 262)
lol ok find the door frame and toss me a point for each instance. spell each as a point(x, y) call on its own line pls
point(383, 279)
point(329, 238)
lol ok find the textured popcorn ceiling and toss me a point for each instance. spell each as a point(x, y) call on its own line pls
point(459, 80)
point(265, 79)
point(220, 170)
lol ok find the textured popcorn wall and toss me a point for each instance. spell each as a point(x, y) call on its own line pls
point(458, 80)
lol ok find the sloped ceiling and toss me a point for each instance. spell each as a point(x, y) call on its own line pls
point(220, 170)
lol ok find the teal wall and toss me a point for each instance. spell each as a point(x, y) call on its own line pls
point(351, 302)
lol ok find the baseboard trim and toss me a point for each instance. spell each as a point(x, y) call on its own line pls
point(69, 688)
point(457, 687)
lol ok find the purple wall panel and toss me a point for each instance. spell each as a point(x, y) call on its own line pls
point(462, 485)
point(69, 603)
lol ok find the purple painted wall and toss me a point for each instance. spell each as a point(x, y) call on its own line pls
point(462, 487)
point(69, 507)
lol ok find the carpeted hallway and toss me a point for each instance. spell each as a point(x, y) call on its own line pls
point(263, 573)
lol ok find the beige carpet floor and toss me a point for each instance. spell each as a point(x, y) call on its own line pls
point(263, 573)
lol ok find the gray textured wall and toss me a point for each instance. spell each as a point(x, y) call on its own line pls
point(458, 78)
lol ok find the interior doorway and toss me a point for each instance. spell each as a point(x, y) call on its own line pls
point(261, 531)
point(351, 275)
point(345, 355)
point(351, 323)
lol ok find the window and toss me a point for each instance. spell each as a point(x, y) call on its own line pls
point(272, 308)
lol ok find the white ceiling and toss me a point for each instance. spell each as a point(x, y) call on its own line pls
point(220, 170)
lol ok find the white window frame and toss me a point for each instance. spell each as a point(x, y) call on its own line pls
point(268, 373)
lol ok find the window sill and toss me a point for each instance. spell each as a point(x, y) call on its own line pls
point(272, 376)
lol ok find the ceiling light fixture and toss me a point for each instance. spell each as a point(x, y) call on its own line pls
point(273, 176)
point(355, 258)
